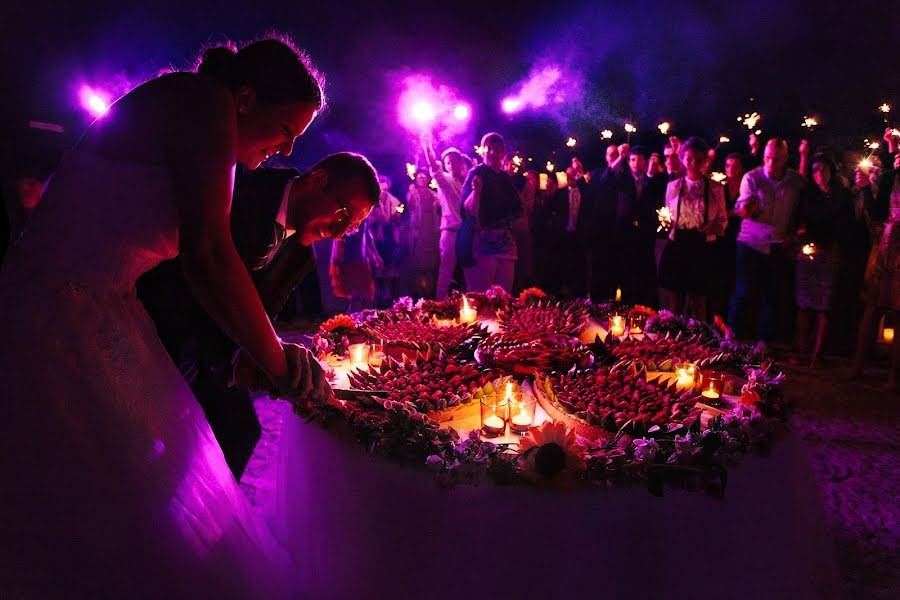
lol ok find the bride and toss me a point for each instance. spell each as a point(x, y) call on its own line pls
point(114, 485)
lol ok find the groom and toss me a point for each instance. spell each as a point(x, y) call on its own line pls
point(266, 203)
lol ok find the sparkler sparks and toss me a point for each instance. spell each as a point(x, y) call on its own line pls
point(630, 128)
point(885, 108)
point(411, 170)
point(724, 139)
point(750, 120)
point(718, 177)
point(664, 216)
point(606, 134)
point(664, 127)
point(571, 142)
point(550, 166)
point(810, 122)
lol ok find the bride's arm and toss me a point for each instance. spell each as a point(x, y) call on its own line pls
point(201, 149)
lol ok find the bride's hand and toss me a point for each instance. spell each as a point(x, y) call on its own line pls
point(305, 383)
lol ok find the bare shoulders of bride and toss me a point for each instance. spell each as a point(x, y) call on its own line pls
point(140, 127)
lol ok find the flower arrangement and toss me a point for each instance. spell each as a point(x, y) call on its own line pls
point(531, 294)
point(335, 335)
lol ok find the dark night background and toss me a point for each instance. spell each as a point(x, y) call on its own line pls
point(696, 63)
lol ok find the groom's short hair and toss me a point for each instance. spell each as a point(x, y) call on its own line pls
point(347, 167)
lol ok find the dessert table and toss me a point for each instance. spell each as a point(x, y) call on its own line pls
point(363, 527)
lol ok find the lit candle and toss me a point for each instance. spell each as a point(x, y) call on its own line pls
point(494, 423)
point(467, 314)
point(618, 294)
point(687, 373)
point(711, 393)
point(376, 355)
point(359, 356)
point(617, 325)
point(887, 334)
point(521, 419)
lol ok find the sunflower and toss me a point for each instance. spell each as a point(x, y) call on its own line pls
point(531, 292)
point(549, 455)
point(338, 321)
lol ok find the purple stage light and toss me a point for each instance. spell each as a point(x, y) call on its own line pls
point(461, 112)
point(511, 105)
point(94, 101)
point(422, 111)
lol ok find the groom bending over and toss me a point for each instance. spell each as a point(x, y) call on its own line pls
point(337, 194)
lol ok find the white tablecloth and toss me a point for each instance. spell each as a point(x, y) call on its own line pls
point(363, 527)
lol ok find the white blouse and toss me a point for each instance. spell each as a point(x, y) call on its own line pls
point(692, 209)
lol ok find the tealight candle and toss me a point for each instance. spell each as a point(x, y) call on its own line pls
point(467, 314)
point(376, 355)
point(636, 324)
point(713, 384)
point(494, 411)
point(617, 324)
point(887, 334)
point(522, 408)
point(686, 373)
point(359, 356)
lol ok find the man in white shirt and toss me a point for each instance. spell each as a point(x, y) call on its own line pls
point(767, 205)
point(449, 172)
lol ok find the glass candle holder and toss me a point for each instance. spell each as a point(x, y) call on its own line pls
point(494, 413)
point(687, 374)
point(636, 323)
point(712, 386)
point(359, 356)
point(376, 354)
point(521, 412)
point(616, 324)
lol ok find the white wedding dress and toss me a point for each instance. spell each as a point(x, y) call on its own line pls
point(113, 484)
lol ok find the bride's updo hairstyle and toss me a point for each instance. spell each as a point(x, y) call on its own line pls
point(278, 71)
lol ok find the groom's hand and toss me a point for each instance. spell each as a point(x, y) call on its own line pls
point(247, 376)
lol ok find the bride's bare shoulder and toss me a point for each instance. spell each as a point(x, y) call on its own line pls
point(174, 105)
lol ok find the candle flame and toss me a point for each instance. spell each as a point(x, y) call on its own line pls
point(571, 142)
point(618, 294)
point(357, 354)
point(509, 387)
point(606, 134)
point(466, 304)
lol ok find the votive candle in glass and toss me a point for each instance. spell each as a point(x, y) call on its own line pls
point(636, 323)
point(617, 324)
point(359, 356)
point(376, 354)
point(521, 412)
point(712, 385)
point(687, 374)
point(494, 413)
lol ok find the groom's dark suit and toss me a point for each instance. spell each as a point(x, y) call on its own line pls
point(198, 346)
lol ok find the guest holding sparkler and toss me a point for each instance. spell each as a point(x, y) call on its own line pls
point(823, 211)
point(698, 213)
point(492, 203)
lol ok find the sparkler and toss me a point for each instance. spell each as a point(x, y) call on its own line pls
point(400, 208)
point(809, 250)
point(664, 127)
point(629, 128)
point(411, 170)
point(664, 216)
point(433, 184)
point(865, 163)
point(750, 120)
point(885, 108)
point(809, 122)
point(550, 166)
point(571, 142)
point(606, 134)
point(874, 145)
point(718, 177)
point(724, 139)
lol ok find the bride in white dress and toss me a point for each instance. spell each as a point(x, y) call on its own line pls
point(113, 484)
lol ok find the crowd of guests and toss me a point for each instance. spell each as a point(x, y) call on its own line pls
point(769, 248)
point(808, 253)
